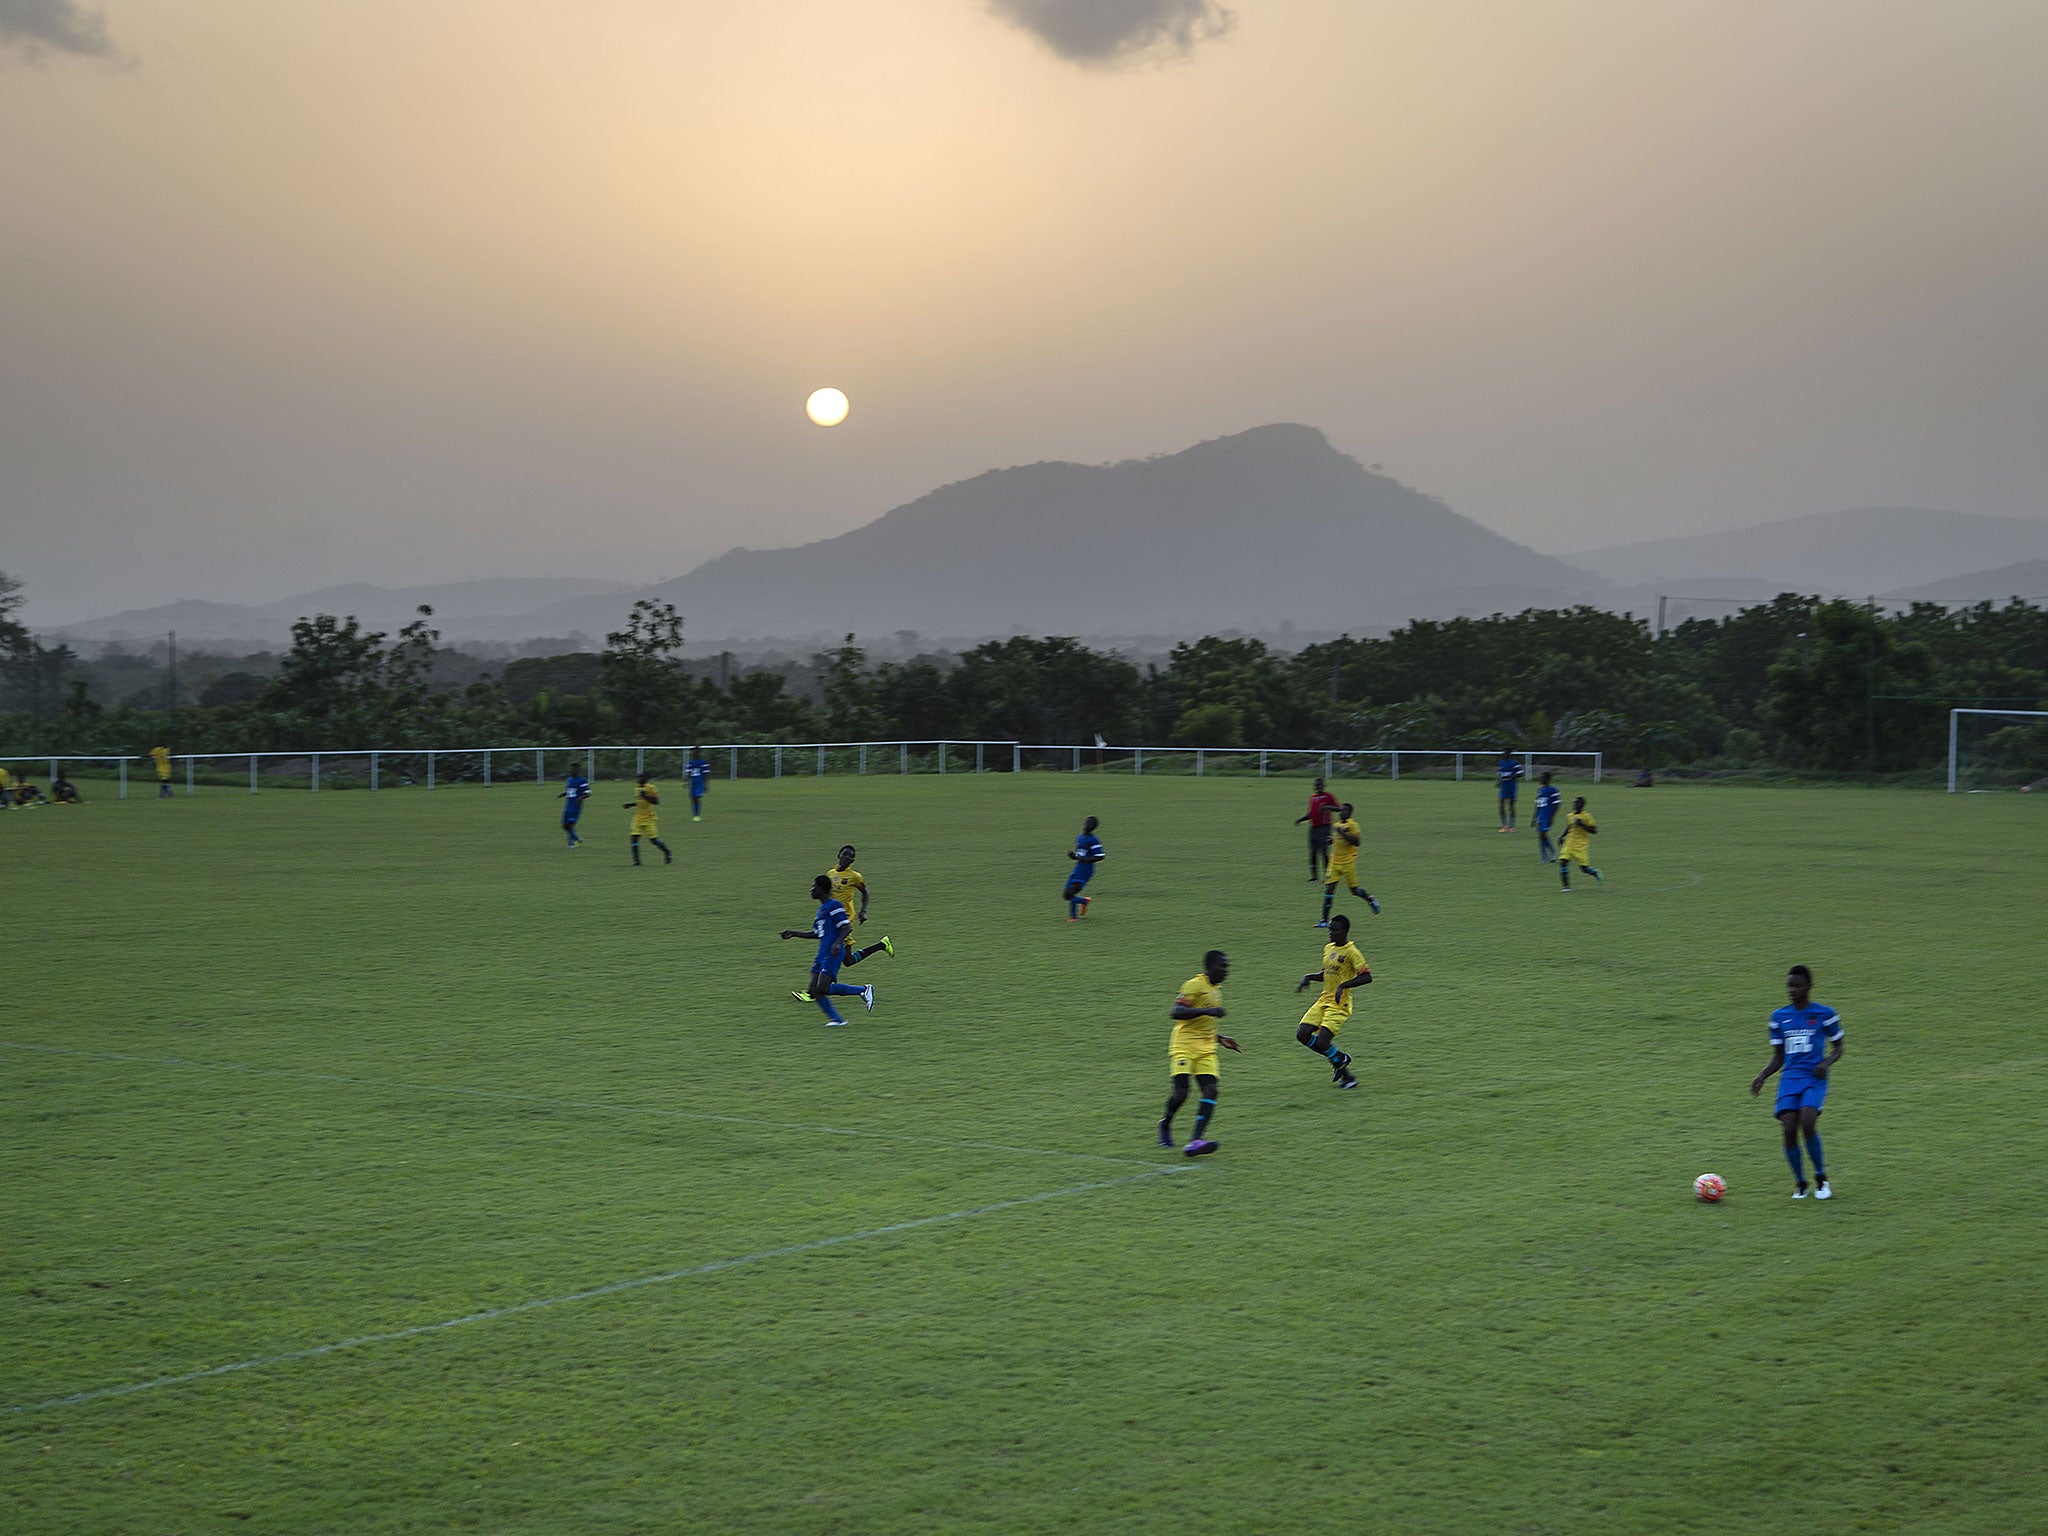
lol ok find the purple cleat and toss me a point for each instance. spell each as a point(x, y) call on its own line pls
point(1199, 1147)
point(1165, 1136)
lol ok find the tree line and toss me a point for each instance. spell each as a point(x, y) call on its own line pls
point(1800, 682)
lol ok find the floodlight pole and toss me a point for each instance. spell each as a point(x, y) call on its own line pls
point(1656, 681)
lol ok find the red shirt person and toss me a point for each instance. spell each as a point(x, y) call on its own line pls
point(1322, 805)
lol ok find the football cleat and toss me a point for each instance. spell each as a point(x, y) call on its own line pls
point(867, 995)
point(1800, 1192)
point(1822, 1192)
point(1324, 923)
point(1199, 1148)
point(803, 997)
point(1374, 905)
point(887, 947)
point(1347, 1081)
point(1165, 1136)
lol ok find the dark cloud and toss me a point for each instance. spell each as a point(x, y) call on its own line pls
point(32, 28)
point(1108, 32)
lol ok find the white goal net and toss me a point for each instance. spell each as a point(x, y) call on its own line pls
point(1997, 749)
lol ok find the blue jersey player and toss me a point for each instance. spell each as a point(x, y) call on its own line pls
point(1806, 1040)
point(698, 772)
point(832, 926)
point(575, 790)
point(1548, 798)
point(1086, 853)
point(1507, 775)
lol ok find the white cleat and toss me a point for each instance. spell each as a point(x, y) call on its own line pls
point(1822, 1192)
point(1799, 1193)
point(835, 1023)
point(867, 995)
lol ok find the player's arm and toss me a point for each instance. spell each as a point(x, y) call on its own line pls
point(1182, 1012)
point(1777, 1060)
point(1226, 1042)
point(1308, 981)
point(863, 901)
point(796, 933)
point(1834, 1055)
point(1363, 978)
point(1349, 837)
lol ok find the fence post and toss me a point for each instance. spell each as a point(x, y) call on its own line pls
point(316, 773)
point(590, 764)
point(1137, 760)
point(1326, 765)
point(639, 761)
point(1529, 765)
point(1598, 759)
point(1461, 767)
point(188, 775)
point(735, 764)
point(1262, 765)
point(430, 770)
point(124, 779)
point(978, 759)
point(53, 770)
point(373, 771)
point(778, 762)
point(1077, 759)
point(1394, 766)
point(252, 773)
point(540, 767)
point(1016, 757)
point(863, 757)
point(903, 755)
point(942, 759)
point(821, 762)
point(487, 767)
point(1198, 762)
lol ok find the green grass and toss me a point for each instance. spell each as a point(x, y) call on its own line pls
point(1473, 1296)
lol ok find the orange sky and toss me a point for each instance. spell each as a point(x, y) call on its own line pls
point(292, 294)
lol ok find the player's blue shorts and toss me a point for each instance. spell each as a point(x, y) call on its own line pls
point(1800, 1092)
point(1543, 822)
point(697, 790)
point(1079, 874)
point(827, 960)
point(1507, 790)
point(572, 813)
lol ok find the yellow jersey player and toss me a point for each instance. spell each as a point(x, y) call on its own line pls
point(1343, 968)
point(646, 798)
point(1577, 845)
point(162, 758)
point(1344, 841)
point(1191, 1054)
point(850, 890)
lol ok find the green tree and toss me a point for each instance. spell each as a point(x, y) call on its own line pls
point(641, 673)
point(1210, 725)
point(1828, 693)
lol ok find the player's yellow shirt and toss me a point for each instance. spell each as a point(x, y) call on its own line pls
point(1198, 1036)
point(1578, 840)
point(6, 778)
point(1341, 962)
point(645, 799)
point(1343, 851)
point(847, 887)
point(163, 761)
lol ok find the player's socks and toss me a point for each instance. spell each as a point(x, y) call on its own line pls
point(1595, 874)
point(873, 949)
point(842, 989)
point(1204, 1108)
point(1336, 1058)
point(1084, 904)
point(1820, 1171)
point(1166, 1133)
point(825, 1007)
point(666, 856)
point(1366, 896)
point(1074, 909)
point(1329, 899)
point(1798, 1164)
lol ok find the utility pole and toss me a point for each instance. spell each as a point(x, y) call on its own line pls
point(171, 675)
point(1870, 693)
point(1656, 681)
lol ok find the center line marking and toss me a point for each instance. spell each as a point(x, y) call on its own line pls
point(788, 1250)
point(529, 1098)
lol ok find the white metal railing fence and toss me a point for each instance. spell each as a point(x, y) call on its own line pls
point(376, 768)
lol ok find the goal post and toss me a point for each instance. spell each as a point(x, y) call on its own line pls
point(2016, 753)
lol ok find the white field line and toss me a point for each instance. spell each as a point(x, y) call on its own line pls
point(789, 1250)
point(1686, 884)
point(502, 1096)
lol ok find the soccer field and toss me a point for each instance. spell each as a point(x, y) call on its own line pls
point(614, 1235)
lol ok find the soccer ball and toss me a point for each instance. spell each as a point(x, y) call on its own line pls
point(1709, 1187)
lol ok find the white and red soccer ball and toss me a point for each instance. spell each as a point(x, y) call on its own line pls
point(1709, 1187)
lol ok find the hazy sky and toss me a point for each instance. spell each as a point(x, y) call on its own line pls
point(334, 290)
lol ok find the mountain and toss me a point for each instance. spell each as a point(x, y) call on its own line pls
point(1239, 532)
point(386, 608)
point(1870, 549)
point(2027, 578)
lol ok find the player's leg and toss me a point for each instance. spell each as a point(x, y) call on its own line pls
point(1788, 1119)
point(635, 838)
point(1176, 1096)
point(1809, 1126)
point(696, 807)
point(1366, 896)
point(1071, 895)
point(667, 855)
point(881, 946)
point(824, 986)
point(1329, 898)
point(1564, 870)
point(1205, 1109)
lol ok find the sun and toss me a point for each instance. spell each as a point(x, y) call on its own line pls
point(827, 407)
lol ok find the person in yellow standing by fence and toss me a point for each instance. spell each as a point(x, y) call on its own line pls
point(643, 806)
point(161, 756)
